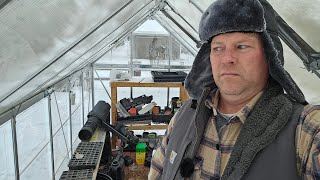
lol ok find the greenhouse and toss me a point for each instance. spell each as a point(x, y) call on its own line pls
point(58, 59)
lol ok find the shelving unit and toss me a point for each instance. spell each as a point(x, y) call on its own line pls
point(142, 83)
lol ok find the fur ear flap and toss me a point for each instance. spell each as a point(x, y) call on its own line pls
point(186, 167)
point(200, 75)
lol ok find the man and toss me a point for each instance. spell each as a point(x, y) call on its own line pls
point(239, 123)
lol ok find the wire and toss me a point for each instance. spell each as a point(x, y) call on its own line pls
point(102, 84)
point(102, 176)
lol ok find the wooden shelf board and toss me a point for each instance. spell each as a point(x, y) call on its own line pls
point(147, 127)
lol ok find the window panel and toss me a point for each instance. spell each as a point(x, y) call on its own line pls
point(7, 170)
point(181, 56)
point(86, 93)
point(151, 50)
point(59, 109)
point(308, 82)
point(61, 145)
point(40, 168)
point(75, 94)
point(188, 11)
point(62, 167)
point(120, 54)
point(100, 92)
point(32, 132)
point(76, 123)
point(176, 31)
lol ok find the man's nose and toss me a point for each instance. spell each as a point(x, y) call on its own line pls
point(229, 56)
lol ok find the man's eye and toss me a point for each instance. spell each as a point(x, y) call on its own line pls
point(216, 49)
point(242, 46)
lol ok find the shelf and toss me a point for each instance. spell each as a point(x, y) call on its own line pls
point(145, 84)
point(141, 82)
point(148, 127)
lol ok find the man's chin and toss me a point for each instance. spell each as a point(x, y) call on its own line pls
point(230, 91)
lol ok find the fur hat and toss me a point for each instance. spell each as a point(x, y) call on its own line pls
point(225, 16)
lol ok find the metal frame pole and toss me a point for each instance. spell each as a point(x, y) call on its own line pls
point(82, 97)
point(196, 5)
point(51, 136)
point(70, 122)
point(170, 59)
point(92, 85)
point(176, 35)
point(132, 54)
point(15, 147)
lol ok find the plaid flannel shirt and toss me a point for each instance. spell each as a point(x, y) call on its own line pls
point(215, 159)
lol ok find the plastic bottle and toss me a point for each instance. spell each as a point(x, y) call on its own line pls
point(140, 153)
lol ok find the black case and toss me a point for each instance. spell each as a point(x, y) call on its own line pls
point(162, 76)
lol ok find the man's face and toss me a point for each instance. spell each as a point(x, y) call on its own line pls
point(238, 62)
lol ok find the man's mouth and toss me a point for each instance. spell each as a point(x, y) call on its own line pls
point(229, 74)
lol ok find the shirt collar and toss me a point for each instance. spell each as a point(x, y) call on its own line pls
point(213, 99)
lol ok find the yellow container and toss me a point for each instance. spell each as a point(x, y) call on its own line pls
point(140, 153)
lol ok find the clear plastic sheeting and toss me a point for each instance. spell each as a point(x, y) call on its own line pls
point(60, 126)
point(126, 27)
point(303, 17)
point(186, 57)
point(41, 167)
point(76, 121)
point(308, 82)
point(43, 42)
point(34, 33)
point(76, 109)
point(7, 159)
point(119, 54)
point(99, 88)
point(149, 46)
point(57, 50)
point(112, 30)
point(86, 94)
point(75, 94)
point(182, 22)
point(29, 88)
point(132, 13)
point(32, 134)
point(153, 45)
point(188, 11)
point(63, 167)
point(61, 143)
point(151, 27)
point(176, 31)
point(202, 4)
point(59, 109)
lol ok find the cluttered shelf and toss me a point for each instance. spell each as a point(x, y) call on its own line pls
point(142, 82)
point(129, 156)
point(94, 158)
